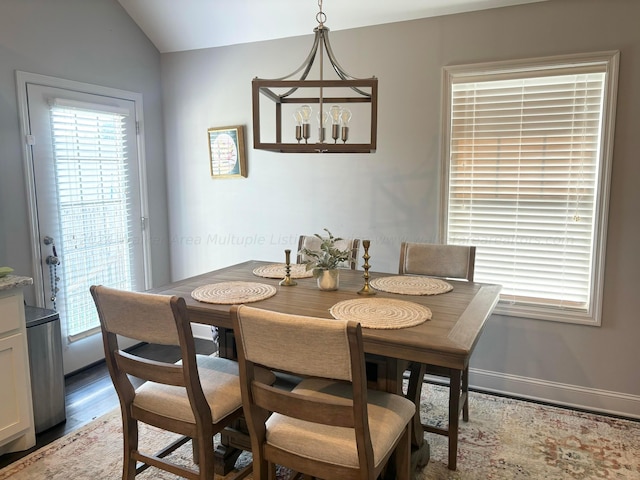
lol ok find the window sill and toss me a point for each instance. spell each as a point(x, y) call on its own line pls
point(542, 312)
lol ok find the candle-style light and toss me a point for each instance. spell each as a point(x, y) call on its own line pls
point(334, 112)
point(345, 118)
point(297, 117)
point(305, 114)
point(322, 122)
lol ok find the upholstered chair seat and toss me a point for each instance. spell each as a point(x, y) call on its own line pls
point(220, 385)
point(388, 417)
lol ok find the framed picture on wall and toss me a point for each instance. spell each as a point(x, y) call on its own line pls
point(227, 157)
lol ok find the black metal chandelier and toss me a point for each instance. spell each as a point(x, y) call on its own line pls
point(315, 116)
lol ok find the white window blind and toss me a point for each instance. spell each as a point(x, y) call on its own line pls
point(90, 154)
point(526, 168)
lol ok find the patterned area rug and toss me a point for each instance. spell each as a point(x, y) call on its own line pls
point(504, 439)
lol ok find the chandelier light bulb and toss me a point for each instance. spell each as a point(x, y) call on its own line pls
point(325, 118)
point(334, 111)
point(305, 112)
point(345, 117)
point(297, 117)
point(305, 115)
point(321, 125)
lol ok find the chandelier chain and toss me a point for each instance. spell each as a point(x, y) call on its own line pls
point(321, 17)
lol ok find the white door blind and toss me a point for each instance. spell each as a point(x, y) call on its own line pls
point(523, 173)
point(91, 168)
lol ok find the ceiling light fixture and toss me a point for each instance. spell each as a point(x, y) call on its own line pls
point(282, 122)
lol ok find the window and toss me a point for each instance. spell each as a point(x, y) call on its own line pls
point(527, 156)
point(94, 205)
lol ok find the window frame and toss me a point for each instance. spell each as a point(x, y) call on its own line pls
point(562, 64)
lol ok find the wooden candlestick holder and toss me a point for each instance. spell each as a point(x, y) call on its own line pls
point(287, 281)
point(366, 290)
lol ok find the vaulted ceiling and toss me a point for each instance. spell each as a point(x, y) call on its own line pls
point(177, 25)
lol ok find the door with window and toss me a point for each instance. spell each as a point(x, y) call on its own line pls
point(89, 213)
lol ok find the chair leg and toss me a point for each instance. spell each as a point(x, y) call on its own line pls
point(205, 457)
point(267, 471)
point(130, 443)
point(195, 451)
point(402, 455)
point(262, 469)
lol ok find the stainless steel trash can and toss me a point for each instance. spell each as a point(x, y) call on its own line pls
point(45, 363)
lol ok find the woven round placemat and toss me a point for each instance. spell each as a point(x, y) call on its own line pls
point(228, 293)
point(410, 285)
point(381, 313)
point(278, 270)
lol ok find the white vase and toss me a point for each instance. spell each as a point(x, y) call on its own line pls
point(328, 280)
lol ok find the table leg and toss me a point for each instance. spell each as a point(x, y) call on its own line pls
point(420, 449)
point(465, 394)
point(226, 453)
point(455, 386)
point(225, 457)
point(414, 390)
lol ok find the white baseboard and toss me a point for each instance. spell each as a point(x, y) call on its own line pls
point(603, 401)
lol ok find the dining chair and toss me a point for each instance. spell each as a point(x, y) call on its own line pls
point(312, 242)
point(196, 397)
point(444, 261)
point(329, 425)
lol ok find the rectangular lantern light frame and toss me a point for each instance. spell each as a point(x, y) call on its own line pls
point(265, 87)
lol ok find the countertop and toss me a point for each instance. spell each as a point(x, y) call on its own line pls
point(14, 281)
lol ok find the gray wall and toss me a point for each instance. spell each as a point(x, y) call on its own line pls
point(394, 194)
point(87, 41)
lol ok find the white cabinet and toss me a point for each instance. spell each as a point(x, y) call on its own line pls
point(16, 410)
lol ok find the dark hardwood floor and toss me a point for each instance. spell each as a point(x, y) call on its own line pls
point(90, 394)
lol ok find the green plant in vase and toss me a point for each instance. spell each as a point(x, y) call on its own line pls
point(326, 260)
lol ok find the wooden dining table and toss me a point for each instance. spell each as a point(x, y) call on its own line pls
point(446, 340)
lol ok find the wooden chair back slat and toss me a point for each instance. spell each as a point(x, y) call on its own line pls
point(150, 370)
point(273, 399)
